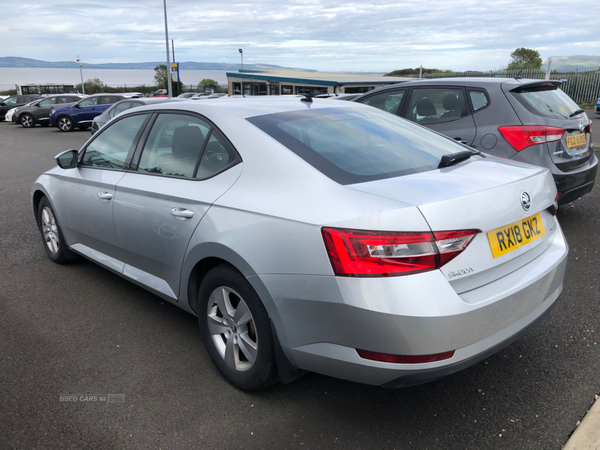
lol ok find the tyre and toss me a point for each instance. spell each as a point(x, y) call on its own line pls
point(51, 235)
point(236, 329)
point(65, 123)
point(27, 120)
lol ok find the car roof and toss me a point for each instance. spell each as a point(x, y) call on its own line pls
point(251, 106)
point(508, 83)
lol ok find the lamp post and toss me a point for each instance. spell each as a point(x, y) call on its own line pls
point(81, 74)
point(242, 56)
point(169, 86)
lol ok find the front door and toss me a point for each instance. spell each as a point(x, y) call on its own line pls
point(85, 199)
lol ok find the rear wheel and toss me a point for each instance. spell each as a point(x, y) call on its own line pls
point(51, 234)
point(65, 123)
point(27, 120)
point(236, 330)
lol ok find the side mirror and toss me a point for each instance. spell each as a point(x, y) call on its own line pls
point(67, 159)
point(38, 105)
point(76, 105)
point(2, 104)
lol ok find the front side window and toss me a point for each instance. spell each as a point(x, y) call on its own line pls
point(354, 145)
point(10, 100)
point(387, 101)
point(91, 101)
point(110, 149)
point(437, 105)
point(48, 101)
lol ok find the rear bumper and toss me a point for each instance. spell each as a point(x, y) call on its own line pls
point(576, 183)
point(326, 319)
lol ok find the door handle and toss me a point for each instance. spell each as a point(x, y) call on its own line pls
point(182, 213)
point(105, 195)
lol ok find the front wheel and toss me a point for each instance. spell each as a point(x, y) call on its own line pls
point(236, 330)
point(65, 123)
point(27, 121)
point(51, 234)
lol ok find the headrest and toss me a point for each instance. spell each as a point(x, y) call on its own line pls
point(451, 103)
point(426, 108)
point(187, 142)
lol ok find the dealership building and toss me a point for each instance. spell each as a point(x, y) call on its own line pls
point(292, 82)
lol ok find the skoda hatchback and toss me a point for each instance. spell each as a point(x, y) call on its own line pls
point(524, 120)
point(311, 235)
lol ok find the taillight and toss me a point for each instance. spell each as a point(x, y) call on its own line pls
point(361, 253)
point(520, 137)
point(588, 129)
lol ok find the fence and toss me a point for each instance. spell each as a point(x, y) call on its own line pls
point(582, 85)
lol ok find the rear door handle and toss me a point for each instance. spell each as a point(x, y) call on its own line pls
point(182, 213)
point(105, 195)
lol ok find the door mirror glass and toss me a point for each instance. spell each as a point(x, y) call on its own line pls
point(67, 159)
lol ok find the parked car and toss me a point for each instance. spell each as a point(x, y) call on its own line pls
point(124, 105)
point(14, 101)
point(39, 111)
point(524, 120)
point(82, 113)
point(598, 106)
point(346, 97)
point(312, 235)
point(187, 94)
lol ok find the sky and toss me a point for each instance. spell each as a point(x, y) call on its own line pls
point(373, 35)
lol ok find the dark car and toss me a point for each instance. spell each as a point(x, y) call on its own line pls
point(526, 120)
point(126, 104)
point(14, 101)
point(39, 111)
point(82, 113)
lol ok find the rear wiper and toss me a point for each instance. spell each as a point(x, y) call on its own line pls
point(551, 110)
point(453, 158)
point(579, 111)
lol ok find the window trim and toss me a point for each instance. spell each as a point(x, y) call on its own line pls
point(139, 147)
point(489, 100)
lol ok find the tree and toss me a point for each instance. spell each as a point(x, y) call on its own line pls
point(93, 86)
point(525, 58)
point(208, 83)
point(161, 76)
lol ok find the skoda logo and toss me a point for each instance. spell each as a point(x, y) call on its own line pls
point(525, 201)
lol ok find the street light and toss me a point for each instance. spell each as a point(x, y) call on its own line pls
point(169, 86)
point(81, 73)
point(242, 56)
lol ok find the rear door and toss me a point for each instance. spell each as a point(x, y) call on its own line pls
point(184, 165)
point(443, 109)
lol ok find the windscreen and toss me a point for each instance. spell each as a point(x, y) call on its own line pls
point(548, 101)
point(353, 145)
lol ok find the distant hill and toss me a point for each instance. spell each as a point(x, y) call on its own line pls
point(15, 61)
point(573, 62)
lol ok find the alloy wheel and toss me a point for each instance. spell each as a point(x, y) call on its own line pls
point(50, 229)
point(65, 124)
point(232, 328)
point(27, 121)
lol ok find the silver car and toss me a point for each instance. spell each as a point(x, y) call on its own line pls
point(311, 235)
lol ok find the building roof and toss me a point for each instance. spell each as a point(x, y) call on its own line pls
point(316, 78)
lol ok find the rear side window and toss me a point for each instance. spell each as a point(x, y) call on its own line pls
point(436, 105)
point(91, 101)
point(48, 101)
point(353, 145)
point(387, 101)
point(546, 100)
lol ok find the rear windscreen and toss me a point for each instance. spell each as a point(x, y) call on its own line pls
point(548, 101)
point(357, 145)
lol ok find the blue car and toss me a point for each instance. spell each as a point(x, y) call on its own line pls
point(82, 113)
point(598, 106)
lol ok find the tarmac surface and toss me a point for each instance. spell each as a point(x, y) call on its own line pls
point(80, 330)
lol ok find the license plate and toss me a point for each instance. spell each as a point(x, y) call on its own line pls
point(576, 141)
point(511, 237)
